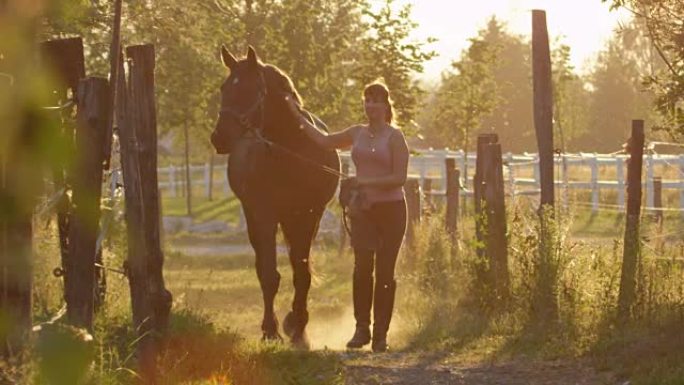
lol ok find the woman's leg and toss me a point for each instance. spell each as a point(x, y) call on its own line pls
point(392, 221)
point(362, 296)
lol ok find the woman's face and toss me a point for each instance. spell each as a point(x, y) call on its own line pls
point(376, 108)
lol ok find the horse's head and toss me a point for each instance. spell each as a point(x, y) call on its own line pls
point(243, 95)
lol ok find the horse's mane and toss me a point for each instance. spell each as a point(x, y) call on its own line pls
point(275, 77)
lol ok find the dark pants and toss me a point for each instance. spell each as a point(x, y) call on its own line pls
point(388, 220)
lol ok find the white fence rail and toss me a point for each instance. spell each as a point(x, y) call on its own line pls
point(592, 173)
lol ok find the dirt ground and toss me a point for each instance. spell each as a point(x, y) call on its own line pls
point(408, 369)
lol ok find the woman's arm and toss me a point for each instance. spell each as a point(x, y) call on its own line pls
point(400, 159)
point(342, 139)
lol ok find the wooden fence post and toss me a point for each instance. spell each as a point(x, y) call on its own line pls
point(452, 197)
point(86, 180)
point(412, 189)
point(594, 184)
point(548, 308)
point(65, 58)
point(483, 140)
point(620, 172)
point(658, 200)
point(495, 213)
point(543, 104)
point(427, 203)
point(631, 252)
point(150, 300)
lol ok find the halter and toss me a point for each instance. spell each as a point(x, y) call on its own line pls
point(245, 118)
point(257, 130)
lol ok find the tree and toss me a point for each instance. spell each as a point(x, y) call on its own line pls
point(488, 90)
point(617, 97)
point(570, 99)
point(663, 22)
point(385, 52)
point(466, 96)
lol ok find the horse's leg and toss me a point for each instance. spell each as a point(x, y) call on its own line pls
point(261, 227)
point(299, 229)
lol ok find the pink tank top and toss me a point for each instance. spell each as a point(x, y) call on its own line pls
point(372, 157)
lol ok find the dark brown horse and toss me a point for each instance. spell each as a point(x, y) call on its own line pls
point(280, 176)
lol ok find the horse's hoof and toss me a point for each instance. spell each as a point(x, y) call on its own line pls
point(294, 324)
point(301, 341)
point(289, 324)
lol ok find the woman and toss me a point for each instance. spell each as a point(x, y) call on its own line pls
point(380, 155)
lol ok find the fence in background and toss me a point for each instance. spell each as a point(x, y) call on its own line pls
point(591, 173)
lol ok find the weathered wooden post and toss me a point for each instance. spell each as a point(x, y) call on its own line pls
point(658, 214)
point(543, 104)
point(658, 200)
point(547, 289)
point(427, 203)
point(412, 189)
point(495, 213)
point(66, 60)
point(632, 249)
point(151, 302)
point(86, 182)
point(452, 197)
point(483, 140)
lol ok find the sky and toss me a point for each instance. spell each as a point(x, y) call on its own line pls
point(584, 25)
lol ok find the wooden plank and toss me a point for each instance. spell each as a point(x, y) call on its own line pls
point(631, 252)
point(79, 279)
point(543, 104)
point(150, 300)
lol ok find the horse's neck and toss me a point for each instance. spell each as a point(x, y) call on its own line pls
point(282, 129)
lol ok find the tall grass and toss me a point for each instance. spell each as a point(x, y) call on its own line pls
point(440, 308)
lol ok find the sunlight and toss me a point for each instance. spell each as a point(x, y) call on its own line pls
point(584, 25)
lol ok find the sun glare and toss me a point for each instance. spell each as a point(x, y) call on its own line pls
point(584, 25)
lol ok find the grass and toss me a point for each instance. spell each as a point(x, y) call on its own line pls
point(204, 210)
point(214, 330)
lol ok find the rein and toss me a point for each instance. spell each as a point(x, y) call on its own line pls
point(244, 118)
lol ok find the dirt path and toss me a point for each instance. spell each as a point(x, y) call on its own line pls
point(361, 368)
point(408, 369)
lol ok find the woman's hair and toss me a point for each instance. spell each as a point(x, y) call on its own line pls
point(378, 89)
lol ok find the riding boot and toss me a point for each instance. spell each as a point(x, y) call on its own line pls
point(382, 314)
point(363, 301)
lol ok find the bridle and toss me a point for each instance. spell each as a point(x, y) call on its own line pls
point(245, 118)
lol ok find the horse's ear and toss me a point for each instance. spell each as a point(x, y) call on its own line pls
point(252, 57)
point(228, 58)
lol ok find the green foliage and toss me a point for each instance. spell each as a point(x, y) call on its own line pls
point(570, 99)
point(385, 52)
point(488, 90)
point(662, 22)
